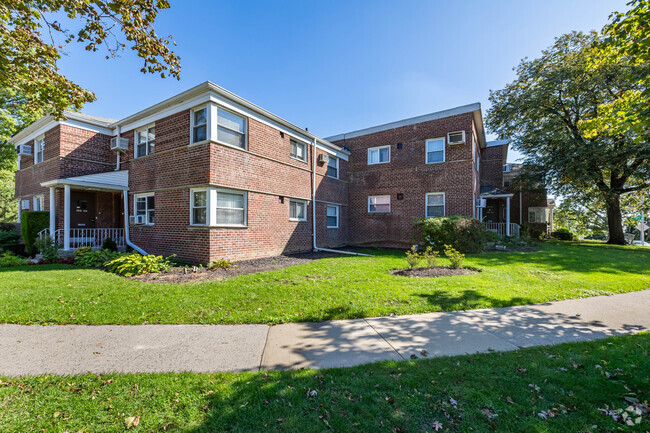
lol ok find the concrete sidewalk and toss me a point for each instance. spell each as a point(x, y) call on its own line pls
point(31, 350)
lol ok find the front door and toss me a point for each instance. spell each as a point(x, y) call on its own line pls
point(84, 210)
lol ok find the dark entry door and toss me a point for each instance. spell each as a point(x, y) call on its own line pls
point(84, 210)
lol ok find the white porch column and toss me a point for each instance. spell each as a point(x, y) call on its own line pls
point(66, 217)
point(508, 216)
point(52, 212)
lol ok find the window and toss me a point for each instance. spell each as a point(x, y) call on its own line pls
point(199, 207)
point(536, 215)
point(39, 150)
point(435, 204)
point(231, 208)
point(38, 202)
point(332, 216)
point(145, 141)
point(144, 205)
point(378, 155)
point(231, 128)
point(297, 150)
point(297, 210)
point(333, 167)
point(199, 125)
point(435, 150)
point(378, 203)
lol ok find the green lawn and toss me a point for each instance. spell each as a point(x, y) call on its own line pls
point(335, 288)
point(506, 392)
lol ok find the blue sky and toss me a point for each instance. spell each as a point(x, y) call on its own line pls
point(336, 66)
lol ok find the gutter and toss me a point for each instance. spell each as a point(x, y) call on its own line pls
point(313, 211)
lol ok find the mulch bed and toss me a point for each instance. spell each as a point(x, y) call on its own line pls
point(194, 274)
point(438, 271)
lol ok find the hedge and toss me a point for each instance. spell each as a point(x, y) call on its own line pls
point(466, 235)
point(31, 223)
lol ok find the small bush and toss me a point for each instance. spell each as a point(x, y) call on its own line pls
point(88, 258)
point(413, 257)
point(455, 257)
point(222, 264)
point(48, 248)
point(562, 234)
point(31, 223)
point(134, 264)
point(9, 259)
point(467, 235)
point(9, 241)
point(431, 256)
point(109, 244)
point(491, 236)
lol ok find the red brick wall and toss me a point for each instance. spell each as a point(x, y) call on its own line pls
point(409, 175)
point(492, 166)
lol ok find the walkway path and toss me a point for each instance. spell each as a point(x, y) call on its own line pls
point(29, 350)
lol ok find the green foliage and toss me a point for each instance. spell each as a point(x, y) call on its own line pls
point(491, 236)
point(431, 256)
point(9, 259)
point(33, 40)
point(48, 248)
point(563, 234)
point(9, 241)
point(222, 264)
point(87, 258)
point(109, 244)
point(129, 265)
point(465, 234)
point(553, 112)
point(31, 223)
point(455, 257)
point(8, 204)
point(413, 257)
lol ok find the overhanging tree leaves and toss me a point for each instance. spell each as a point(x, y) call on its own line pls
point(28, 57)
point(544, 112)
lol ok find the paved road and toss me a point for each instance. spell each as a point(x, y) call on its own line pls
point(30, 350)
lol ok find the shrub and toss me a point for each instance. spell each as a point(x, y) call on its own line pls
point(413, 257)
point(467, 235)
point(9, 259)
point(491, 236)
point(109, 244)
point(9, 241)
point(88, 258)
point(31, 223)
point(222, 264)
point(431, 256)
point(534, 233)
point(455, 257)
point(48, 248)
point(562, 234)
point(134, 264)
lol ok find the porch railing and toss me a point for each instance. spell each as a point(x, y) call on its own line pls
point(93, 238)
point(501, 228)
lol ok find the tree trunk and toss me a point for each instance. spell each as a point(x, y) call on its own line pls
point(615, 221)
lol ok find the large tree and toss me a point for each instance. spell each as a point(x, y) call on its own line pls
point(550, 112)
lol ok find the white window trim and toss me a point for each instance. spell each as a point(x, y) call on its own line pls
point(444, 150)
point(230, 191)
point(304, 203)
point(39, 142)
point(338, 166)
point(38, 199)
point(378, 149)
point(216, 130)
point(207, 123)
point(337, 216)
point(207, 206)
point(148, 149)
point(146, 214)
point(304, 150)
point(379, 211)
point(211, 207)
point(542, 210)
point(426, 203)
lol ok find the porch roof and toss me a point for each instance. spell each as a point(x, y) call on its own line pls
point(494, 192)
point(111, 181)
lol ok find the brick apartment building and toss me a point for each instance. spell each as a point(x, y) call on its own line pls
point(206, 174)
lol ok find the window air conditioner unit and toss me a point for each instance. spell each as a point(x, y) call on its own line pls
point(480, 202)
point(507, 168)
point(24, 150)
point(136, 219)
point(456, 138)
point(120, 143)
point(323, 158)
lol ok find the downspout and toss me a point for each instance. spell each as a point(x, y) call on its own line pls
point(313, 210)
point(127, 240)
point(117, 168)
